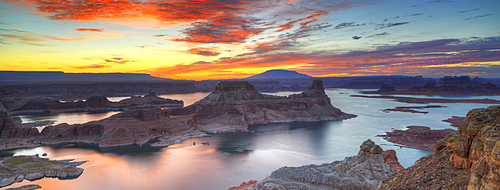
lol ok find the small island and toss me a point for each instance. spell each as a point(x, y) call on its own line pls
point(418, 137)
point(18, 168)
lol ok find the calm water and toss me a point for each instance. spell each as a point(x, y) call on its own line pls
point(233, 158)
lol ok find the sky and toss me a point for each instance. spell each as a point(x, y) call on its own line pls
point(226, 39)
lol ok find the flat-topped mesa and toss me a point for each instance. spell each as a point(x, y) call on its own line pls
point(230, 91)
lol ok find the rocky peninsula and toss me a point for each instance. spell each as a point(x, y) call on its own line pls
point(419, 137)
point(93, 103)
point(232, 107)
point(18, 168)
point(363, 171)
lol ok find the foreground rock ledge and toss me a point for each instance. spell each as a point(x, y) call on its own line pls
point(363, 171)
point(18, 168)
point(232, 107)
point(467, 159)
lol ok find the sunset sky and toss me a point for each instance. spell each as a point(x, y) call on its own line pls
point(225, 39)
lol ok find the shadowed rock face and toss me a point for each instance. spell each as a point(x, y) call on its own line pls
point(467, 159)
point(363, 171)
point(9, 129)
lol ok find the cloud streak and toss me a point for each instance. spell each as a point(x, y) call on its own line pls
point(89, 29)
point(413, 58)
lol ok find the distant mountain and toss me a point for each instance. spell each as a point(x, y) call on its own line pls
point(280, 74)
point(42, 76)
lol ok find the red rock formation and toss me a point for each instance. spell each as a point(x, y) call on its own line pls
point(391, 159)
point(454, 120)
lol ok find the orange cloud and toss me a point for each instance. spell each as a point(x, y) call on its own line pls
point(203, 51)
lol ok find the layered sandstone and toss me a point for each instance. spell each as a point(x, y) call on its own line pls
point(363, 171)
point(234, 105)
point(467, 159)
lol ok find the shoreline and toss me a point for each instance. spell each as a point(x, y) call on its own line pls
point(432, 100)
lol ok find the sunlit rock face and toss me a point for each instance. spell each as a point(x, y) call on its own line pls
point(467, 159)
point(363, 171)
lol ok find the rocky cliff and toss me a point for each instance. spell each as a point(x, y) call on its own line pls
point(467, 159)
point(363, 171)
point(9, 128)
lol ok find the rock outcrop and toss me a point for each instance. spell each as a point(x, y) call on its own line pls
point(233, 106)
point(467, 159)
point(18, 168)
point(9, 128)
point(386, 87)
point(94, 103)
point(152, 99)
point(419, 137)
point(363, 171)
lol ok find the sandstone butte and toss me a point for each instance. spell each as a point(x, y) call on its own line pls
point(233, 106)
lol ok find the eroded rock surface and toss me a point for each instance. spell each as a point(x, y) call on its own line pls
point(363, 171)
point(467, 159)
point(11, 133)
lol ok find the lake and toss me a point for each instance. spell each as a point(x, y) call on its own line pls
point(237, 157)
